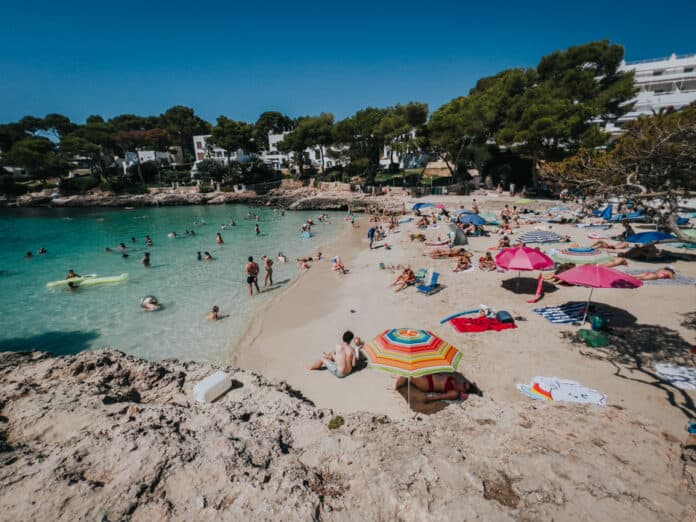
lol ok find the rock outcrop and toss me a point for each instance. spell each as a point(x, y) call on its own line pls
point(105, 436)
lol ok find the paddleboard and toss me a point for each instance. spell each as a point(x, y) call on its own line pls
point(61, 282)
point(450, 317)
point(104, 280)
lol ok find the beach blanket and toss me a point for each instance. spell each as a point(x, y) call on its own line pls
point(567, 313)
point(678, 279)
point(683, 377)
point(562, 390)
point(479, 324)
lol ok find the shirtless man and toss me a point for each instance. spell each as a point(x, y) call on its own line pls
point(268, 266)
point(252, 270)
point(146, 259)
point(340, 362)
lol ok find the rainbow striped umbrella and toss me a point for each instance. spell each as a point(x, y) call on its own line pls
point(411, 353)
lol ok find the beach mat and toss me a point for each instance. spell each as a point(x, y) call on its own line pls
point(563, 314)
point(479, 324)
point(562, 390)
point(683, 377)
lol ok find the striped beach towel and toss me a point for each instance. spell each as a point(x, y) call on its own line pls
point(564, 314)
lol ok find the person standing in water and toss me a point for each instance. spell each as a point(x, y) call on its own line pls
point(252, 270)
point(218, 238)
point(148, 241)
point(268, 266)
point(146, 259)
point(258, 230)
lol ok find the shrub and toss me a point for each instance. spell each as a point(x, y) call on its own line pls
point(10, 188)
point(336, 422)
point(78, 185)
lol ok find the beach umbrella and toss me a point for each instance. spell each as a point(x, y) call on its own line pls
point(649, 237)
point(580, 256)
point(440, 205)
point(596, 276)
point(540, 236)
point(523, 258)
point(411, 353)
point(472, 219)
point(419, 206)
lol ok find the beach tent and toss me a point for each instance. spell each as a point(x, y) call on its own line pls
point(457, 235)
point(411, 353)
point(596, 276)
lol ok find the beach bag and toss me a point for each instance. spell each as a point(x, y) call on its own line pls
point(504, 317)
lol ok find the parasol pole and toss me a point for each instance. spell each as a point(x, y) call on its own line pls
point(587, 306)
point(409, 392)
point(518, 280)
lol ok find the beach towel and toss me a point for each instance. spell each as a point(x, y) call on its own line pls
point(595, 235)
point(479, 324)
point(562, 390)
point(564, 314)
point(683, 377)
point(678, 278)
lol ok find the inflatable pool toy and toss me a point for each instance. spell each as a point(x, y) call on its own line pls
point(108, 280)
point(61, 282)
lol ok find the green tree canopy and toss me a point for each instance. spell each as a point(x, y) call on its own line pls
point(270, 121)
point(183, 124)
point(232, 135)
point(38, 156)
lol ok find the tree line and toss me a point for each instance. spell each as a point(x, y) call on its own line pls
point(521, 116)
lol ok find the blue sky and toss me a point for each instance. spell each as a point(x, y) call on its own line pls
point(298, 58)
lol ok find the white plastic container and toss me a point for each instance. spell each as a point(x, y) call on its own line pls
point(212, 387)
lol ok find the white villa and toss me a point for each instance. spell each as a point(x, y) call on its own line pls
point(663, 84)
point(278, 159)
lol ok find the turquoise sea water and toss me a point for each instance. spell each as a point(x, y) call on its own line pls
point(33, 316)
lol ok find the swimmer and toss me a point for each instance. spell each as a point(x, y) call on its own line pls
point(133, 240)
point(72, 274)
point(193, 232)
point(124, 255)
point(257, 229)
point(172, 235)
point(149, 303)
point(148, 241)
point(42, 250)
point(72, 286)
point(282, 258)
point(207, 256)
point(146, 259)
point(28, 255)
point(108, 249)
point(213, 315)
point(218, 238)
point(122, 246)
point(199, 257)
point(232, 223)
point(186, 232)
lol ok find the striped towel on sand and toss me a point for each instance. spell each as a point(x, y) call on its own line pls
point(567, 313)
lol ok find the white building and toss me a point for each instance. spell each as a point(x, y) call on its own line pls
point(203, 150)
point(663, 84)
point(277, 159)
point(391, 154)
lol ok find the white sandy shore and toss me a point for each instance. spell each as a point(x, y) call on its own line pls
point(310, 317)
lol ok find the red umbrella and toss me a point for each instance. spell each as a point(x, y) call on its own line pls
point(523, 258)
point(597, 276)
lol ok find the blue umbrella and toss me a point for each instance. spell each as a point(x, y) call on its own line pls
point(649, 237)
point(419, 206)
point(540, 236)
point(464, 211)
point(472, 219)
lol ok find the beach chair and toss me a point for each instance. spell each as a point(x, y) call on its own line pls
point(421, 274)
point(432, 286)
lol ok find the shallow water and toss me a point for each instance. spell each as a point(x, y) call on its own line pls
point(34, 316)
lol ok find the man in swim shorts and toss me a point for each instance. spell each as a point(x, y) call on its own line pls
point(252, 270)
point(371, 236)
point(340, 362)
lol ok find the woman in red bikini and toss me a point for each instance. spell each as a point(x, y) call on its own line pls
point(441, 386)
point(662, 273)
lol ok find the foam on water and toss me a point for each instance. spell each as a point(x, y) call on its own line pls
point(33, 316)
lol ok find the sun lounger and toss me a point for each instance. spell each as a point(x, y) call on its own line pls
point(432, 287)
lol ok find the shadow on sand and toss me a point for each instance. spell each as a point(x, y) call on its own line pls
point(57, 343)
point(634, 349)
point(526, 285)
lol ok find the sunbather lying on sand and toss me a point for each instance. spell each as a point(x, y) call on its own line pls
point(441, 386)
point(662, 273)
point(487, 263)
point(642, 252)
point(440, 253)
point(407, 277)
point(619, 261)
point(608, 246)
point(552, 277)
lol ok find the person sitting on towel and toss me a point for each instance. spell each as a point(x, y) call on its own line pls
point(407, 277)
point(464, 263)
point(441, 386)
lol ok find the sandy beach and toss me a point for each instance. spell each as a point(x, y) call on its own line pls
point(309, 318)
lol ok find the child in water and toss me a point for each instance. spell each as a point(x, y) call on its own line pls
point(213, 315)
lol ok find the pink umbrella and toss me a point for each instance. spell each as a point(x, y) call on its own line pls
point(597, 276)
point(523, 258)
point(440, 205)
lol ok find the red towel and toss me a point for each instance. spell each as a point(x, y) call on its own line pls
point(479, 324)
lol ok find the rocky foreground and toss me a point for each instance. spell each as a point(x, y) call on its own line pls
point(105, 436)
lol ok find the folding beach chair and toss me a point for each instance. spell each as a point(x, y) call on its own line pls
point(432, 286)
